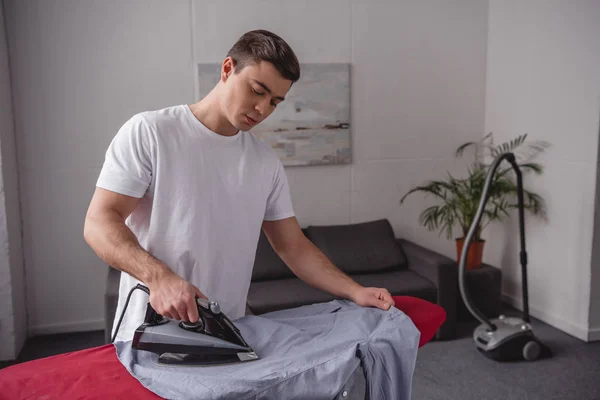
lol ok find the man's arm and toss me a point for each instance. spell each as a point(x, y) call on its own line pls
point(312, 266)
point(106, 233)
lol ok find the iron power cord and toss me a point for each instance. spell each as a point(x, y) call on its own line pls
point(138, 286)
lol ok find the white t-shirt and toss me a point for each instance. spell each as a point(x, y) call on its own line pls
point(204, 197)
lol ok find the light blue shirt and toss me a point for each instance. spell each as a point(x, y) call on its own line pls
point(308, 352)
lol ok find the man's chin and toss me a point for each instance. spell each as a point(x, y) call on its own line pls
point(239, 126)
point(244, 126)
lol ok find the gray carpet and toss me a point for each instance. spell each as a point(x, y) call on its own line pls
point(456, 370)
point(49, 345)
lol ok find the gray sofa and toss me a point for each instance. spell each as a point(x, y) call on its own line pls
point(368, 252)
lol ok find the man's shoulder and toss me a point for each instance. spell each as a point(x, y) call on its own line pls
point(168, 115)
point(148, 126)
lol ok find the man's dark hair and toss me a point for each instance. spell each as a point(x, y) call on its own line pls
point(261, 45)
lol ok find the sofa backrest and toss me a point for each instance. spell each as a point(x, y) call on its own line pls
point(360, 248)
point(267, 264)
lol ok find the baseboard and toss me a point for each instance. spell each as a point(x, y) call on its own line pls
point(594, 335)
point(575, 330)
point(79, 326)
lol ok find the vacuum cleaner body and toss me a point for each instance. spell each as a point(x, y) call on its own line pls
point(213, 339)
point(512, 340)
point(504, 338)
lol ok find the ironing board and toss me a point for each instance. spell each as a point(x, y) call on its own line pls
point(96, 373)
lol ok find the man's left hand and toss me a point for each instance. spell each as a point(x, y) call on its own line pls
point(373, 297)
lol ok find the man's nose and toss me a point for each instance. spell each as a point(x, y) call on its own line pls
point(261, 106)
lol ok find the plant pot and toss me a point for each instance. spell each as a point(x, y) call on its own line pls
point(474, 255)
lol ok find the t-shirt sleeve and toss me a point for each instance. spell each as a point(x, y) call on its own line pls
point(127, 166)
point(279, 202)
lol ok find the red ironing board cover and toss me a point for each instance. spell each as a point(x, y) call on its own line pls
point(96, 373)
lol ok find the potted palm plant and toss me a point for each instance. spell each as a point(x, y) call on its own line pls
point(458, 198)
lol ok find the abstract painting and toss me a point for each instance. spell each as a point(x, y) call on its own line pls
point(312, 125)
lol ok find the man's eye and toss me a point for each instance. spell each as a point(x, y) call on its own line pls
point(256, 92)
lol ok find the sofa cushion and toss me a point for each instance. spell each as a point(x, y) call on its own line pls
point(401, 283)
point(359, 248)
point(267, 263)
point(267, 296)
point(277, 295)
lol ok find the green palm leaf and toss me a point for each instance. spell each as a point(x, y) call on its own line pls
point(458, 198)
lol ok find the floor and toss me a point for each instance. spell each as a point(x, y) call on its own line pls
point(45, 346)
point(456, 370)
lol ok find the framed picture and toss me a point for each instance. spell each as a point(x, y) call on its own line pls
point(312, 126)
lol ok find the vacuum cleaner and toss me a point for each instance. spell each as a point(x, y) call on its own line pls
point(213, 339)
point(504, 338)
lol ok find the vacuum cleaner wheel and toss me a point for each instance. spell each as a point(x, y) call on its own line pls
point(531, 350)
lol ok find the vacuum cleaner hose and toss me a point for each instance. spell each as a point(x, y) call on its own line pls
point(510, 157)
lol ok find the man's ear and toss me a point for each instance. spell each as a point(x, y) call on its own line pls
point(227, 69)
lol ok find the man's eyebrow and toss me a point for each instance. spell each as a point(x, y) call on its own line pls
point(268, 90)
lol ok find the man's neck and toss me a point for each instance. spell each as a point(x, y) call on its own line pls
point(207, 112)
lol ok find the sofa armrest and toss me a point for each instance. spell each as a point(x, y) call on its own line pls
point(443, 272)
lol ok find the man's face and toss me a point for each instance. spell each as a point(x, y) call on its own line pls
point(252, 94)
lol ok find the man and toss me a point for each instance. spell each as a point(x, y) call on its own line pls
point(185, 191)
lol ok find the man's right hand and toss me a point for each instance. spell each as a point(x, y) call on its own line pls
point(173, 297)
point(106, 232)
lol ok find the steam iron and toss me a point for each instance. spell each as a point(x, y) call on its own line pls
point(213, 339)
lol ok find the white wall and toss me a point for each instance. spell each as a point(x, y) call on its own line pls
point(594, 314)
point(82, 68)
point(544, 78)
point(418, 90)
point(13, 327)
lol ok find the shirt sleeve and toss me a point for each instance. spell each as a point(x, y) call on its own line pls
point(389, 357)
point(279, 203)
point(127, 166)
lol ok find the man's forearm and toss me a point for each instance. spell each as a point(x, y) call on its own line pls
point(116, 245)
point(313, 267)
